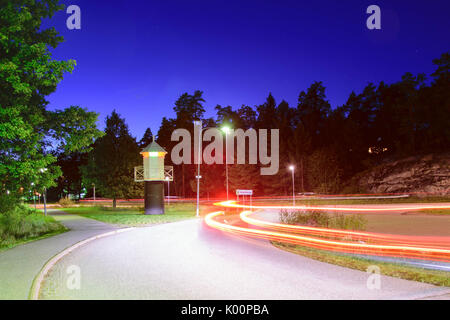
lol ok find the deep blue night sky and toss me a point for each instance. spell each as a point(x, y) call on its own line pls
point(138, 56)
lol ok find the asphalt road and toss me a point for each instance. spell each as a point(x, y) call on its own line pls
point(188, 260)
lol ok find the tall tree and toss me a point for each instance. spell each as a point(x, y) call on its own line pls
point(147, 138)
point(189, 107)
point(112, 161)
point(435, 109)
point(312, 110)
point(28, 131)
point(246, 117)
point(226, 116)
point(70, 182)
point(267, 114)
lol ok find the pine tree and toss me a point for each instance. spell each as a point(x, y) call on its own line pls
point(312, 110)
point(112, 161)
point(147, 138)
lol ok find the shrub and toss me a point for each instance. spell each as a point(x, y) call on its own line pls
point(8, 202)
point(323, 219)
point(348, 222)
point(66, 202)
point(22, 223)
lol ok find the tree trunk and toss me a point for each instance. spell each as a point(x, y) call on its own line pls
point(114, 203)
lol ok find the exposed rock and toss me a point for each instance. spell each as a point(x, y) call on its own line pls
point(429, 174)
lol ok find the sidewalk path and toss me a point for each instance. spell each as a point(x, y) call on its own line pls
point(20, 265)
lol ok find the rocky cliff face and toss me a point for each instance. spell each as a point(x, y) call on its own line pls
point(428, 174)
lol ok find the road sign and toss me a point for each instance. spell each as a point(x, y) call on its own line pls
point(240, 192)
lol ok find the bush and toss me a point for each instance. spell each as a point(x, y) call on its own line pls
point(323, 219)
point(66, 202)
point(22, 223)
point(8, 202)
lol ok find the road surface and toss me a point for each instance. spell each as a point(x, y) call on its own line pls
point(188, 260)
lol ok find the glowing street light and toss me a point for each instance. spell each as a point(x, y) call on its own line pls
point(293, 185)
point(226, 129)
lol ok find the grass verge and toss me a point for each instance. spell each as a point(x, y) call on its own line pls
point(435, 277)
point(21, 225)
point(31, 239)
point(437, 212)
point(135, 216)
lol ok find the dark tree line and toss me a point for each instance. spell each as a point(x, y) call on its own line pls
point(327, 146)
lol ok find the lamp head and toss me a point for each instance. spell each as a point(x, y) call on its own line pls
point(226, 129)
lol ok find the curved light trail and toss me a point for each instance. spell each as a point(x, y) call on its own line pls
point(346, 234)
point(413, 206)
point(355, 242)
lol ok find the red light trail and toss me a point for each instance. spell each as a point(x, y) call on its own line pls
point(355, 242)
point(412, 206)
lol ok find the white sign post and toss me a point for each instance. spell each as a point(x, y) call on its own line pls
point(243, 193)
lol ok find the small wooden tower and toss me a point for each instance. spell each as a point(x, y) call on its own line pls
point(153, 173)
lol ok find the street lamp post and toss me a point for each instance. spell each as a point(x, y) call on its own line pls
point(34, 196)
point(226, 130)
point(226, 160)
point(168, 190)
point(45, 201)
point(293, 185)
point(198, 123)
point(45, 194)
point(198, 177)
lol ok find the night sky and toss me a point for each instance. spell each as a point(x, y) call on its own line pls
point(138, 57)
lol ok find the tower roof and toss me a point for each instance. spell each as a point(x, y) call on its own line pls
point(153, 147)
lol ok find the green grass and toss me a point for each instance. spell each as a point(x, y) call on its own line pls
point(435, 277)
point(18, 242)
point(21, 225)
point(135, 216)
point(436, 211)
